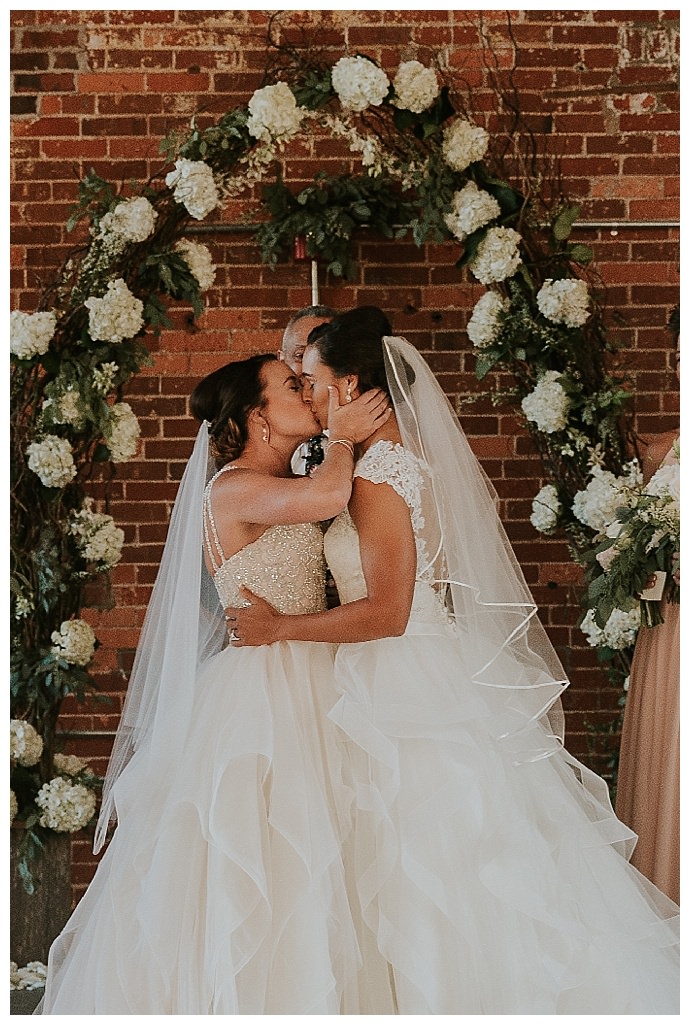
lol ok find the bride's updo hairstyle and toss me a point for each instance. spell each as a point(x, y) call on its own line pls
point(352, 343)
point(225, 399)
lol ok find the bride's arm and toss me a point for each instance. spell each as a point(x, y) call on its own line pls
point(258, 498)
point(389, 559)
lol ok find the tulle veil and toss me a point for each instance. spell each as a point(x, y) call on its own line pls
point(183, 627)
point(472, 559)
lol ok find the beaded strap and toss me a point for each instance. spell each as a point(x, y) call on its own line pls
point(208, 518)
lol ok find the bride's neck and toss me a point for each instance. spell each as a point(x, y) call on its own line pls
point(267, 458)
point(387, 432)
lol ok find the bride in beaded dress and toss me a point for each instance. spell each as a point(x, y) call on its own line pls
point(487, 871)
point(222, 890)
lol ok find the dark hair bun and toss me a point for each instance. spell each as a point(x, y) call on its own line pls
point(225, 399)
point(205, 401)
point(367, 318)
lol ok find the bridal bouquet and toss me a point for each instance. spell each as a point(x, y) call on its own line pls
point(636, 560)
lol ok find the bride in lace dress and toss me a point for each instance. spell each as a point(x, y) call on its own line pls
point(487, 871)
point(223, 890)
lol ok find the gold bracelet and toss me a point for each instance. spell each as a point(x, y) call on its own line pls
point(346, 442)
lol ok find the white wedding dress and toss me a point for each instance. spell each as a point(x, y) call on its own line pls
point(373, 844)
point(488, 884)
point(223, 889)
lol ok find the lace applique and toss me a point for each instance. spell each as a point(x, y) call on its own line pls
point(389, 463)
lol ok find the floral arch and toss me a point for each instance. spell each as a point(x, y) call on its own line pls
point(428, 170)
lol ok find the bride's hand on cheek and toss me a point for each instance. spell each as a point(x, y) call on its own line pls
point(254, 624)
point(358, 419)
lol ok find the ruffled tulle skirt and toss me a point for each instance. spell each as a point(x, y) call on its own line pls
point(488, 880)
point(223, 890)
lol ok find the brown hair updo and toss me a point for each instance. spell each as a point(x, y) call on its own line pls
point(225, 399)
point(352, 343)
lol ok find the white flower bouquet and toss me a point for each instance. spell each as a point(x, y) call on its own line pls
point(636, 560)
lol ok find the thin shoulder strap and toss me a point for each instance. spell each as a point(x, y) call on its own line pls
point(212, 540)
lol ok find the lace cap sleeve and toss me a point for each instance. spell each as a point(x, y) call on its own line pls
point(388, 463)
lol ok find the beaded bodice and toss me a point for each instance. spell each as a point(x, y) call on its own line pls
point(285, 565)
point(388, 463)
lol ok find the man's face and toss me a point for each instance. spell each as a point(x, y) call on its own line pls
point(295, 341)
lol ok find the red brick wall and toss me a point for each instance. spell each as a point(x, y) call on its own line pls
point(101, 88)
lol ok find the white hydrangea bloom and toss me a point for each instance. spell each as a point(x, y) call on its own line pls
point(472, 208)
point(416, 87)
point(198, 259)
point(274, 113)
point(547, 405)
point(359, 83)
point(565, 301)
point(98, 539)
point(30, 333)
point(68, 765)
point(596, 505)
point(463, 144)
point(123, 433)
point(117, 315)
point(26, 745)
point(497, 256)
point(67, 807)
point(14, 806)
point(75, 642)
point(52, 461)
point(194, 187)
point(618, 633)
point(104, 377)
point(132, 220)
point(484, 324)
point(546, 508)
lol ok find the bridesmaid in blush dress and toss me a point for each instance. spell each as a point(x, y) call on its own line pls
point(648, 796)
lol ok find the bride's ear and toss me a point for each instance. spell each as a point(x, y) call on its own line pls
point(349, 387)
point(258, 425)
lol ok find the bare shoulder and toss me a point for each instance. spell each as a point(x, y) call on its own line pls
point(232, 485)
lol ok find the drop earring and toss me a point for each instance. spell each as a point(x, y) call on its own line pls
point(348, 394)
point(266, 434)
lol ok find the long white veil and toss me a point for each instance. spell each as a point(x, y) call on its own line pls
point(183, 627)
point(474, 563)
